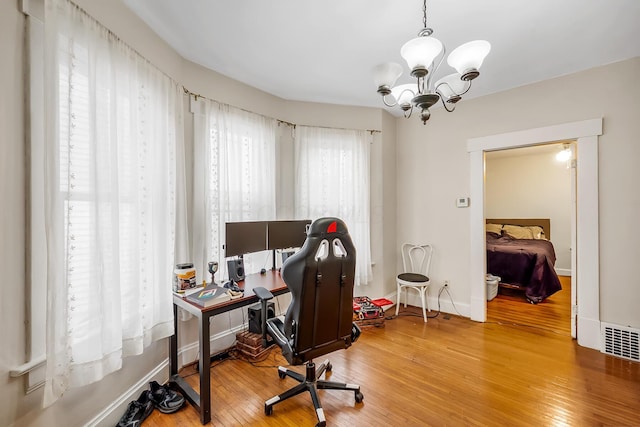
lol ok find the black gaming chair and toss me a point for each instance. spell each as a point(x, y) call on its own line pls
point(319, 319)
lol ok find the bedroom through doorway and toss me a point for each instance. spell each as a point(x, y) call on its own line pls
point(527, 184)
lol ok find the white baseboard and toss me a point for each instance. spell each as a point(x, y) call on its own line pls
point(446, 303)
point(563, 271)
point(112, 413)
point(589, 333)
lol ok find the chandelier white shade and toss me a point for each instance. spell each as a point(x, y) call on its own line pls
point(420, 53)
point(452, 86)
point(403, 94)
point(424, 55)
point(467, 58)
point(385, 75)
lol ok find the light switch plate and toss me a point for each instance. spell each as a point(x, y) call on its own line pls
point(462, 202)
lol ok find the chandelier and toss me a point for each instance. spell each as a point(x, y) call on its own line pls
point(424, 55)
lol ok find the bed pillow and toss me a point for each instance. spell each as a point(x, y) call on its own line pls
point(518, 232)
point(494, 228)
point(538, 232)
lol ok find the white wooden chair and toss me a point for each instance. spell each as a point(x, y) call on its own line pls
point(416, 261)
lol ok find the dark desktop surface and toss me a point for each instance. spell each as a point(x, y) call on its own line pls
point(271, 280)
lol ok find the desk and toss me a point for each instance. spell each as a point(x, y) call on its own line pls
point(271, 281)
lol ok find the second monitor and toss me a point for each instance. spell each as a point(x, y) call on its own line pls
point(286, 234)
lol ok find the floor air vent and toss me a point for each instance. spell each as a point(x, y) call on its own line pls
point(620, 341)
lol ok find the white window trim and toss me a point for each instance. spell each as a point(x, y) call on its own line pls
point(35, 287)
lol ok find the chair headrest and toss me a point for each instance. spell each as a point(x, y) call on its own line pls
point(328, 227)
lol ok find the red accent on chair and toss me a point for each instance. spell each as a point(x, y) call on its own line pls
point(333, 227)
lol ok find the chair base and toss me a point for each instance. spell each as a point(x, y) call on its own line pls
point(311, 383)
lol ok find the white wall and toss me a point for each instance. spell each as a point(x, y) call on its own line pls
point(433, 169)
point(80, 406)
point(534, 185)
point(13, 217)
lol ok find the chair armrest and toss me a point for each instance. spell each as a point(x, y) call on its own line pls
point(263, 294)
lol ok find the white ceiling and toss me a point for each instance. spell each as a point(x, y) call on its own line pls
point(323, 51)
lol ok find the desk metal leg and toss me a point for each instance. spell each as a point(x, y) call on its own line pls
point(173, 345)
point(204, 365)
point(202, 402)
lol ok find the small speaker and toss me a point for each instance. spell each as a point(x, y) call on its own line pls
point(286, 255)
point(236, 269)
point(255, 316)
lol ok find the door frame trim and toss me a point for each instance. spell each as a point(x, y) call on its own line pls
point(587, 268)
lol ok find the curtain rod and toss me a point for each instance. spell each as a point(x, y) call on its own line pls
point(197, 95)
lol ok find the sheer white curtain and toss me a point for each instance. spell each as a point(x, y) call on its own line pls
point(234, 178)
point(332, 179)
point(113, 134)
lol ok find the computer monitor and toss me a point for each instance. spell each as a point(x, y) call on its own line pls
point(245, 237)
point(287, 234)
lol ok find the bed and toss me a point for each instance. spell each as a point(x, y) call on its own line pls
point(519, 252)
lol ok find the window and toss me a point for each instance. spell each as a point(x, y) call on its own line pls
point(113, 132)
point(332, 179)
point(235, 157)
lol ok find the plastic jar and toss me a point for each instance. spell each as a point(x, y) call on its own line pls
point(184, 277)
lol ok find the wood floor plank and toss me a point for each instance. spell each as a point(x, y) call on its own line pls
point(451, 372)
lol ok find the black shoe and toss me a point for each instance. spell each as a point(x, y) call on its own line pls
point(165, 400)
point(137, 411)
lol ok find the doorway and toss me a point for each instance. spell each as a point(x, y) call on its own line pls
point(530, 183)
point(586, 281)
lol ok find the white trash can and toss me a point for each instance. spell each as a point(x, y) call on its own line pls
point(492, 286)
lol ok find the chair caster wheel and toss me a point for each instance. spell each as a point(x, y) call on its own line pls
point(268, 409)
point(321, 424)
point(281, 374)
point(359, 397)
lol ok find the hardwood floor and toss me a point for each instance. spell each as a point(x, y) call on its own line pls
point(448, 372)
point(554, 313)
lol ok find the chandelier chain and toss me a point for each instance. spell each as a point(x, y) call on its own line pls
point(424, 14)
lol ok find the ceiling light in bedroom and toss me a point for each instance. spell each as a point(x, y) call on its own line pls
point(424, 55)
point(565, 154)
